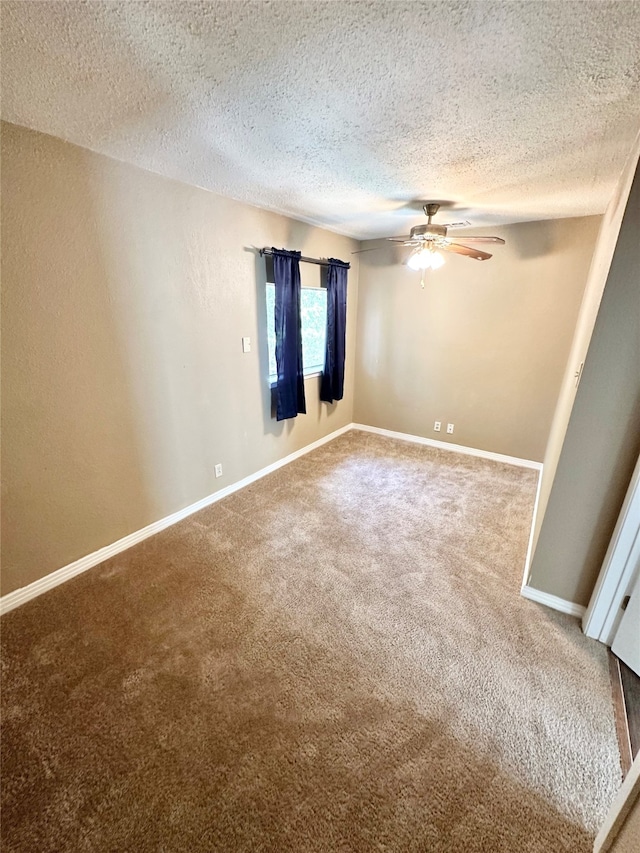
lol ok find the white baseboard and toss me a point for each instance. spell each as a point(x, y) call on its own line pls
point(20, 596)
point(456, 448)
point(26, 593)
point(552, 601)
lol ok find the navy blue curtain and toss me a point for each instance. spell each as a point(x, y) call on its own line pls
point(290, 388)
point(332, 386)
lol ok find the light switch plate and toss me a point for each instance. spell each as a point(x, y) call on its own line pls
point(246, 345)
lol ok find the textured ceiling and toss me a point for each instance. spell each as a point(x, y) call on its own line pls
point(343, 113)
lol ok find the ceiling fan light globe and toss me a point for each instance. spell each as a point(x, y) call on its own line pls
point(415, 261)
point(425, 259)
point(437, 260)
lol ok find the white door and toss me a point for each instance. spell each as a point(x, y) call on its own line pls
point(626, 643)
point(619, 571)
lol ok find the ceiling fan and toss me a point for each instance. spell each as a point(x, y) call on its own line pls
point(428, 240)
point(432, 237)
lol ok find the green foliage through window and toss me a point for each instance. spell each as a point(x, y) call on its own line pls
point(314, 328)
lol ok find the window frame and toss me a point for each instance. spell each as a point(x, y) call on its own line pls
point(313, 369)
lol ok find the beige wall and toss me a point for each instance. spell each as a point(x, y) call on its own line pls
point(596, 280)
point(125, 297)
point(620, 832)
point(602, 440)
point(483, 346)
point(628, 840)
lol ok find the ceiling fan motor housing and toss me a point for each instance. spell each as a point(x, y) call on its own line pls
point(425, 231)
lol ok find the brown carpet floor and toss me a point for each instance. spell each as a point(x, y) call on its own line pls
point(336, 658)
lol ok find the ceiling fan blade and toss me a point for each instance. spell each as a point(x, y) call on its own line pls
point(405, 241)
point(468, 251)
point(463, 224)
point(470, 238)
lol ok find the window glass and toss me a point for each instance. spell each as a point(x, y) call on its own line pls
point(313, 307)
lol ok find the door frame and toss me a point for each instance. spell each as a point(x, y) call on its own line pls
point(604, 611)
point(627, 798)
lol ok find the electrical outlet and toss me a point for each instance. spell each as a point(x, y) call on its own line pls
point(450, 428)
point(437, 426)
point(218, 470)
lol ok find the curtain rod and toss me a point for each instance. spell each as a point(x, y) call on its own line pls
point(317, 261)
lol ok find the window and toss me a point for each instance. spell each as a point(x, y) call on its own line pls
point(313, 307)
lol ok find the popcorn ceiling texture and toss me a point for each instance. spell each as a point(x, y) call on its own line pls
point(341, 114)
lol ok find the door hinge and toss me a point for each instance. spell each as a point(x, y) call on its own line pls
point(625, 601)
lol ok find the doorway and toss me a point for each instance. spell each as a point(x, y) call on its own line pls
point(613, 617)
